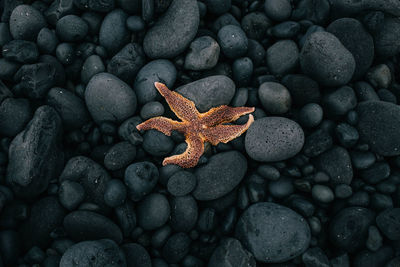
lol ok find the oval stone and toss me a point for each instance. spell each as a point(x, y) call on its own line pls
point(209, 92)
point(273, 233)
point(109, 98)
point(220, 175)
point(273, 139)
point(174, 31)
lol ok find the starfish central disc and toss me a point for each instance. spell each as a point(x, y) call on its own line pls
point(197, 127)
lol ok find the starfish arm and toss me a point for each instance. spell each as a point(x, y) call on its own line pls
point(161, 124)
point(181, 106)
point(192, 154)
point(225, 133)
point(224, 114)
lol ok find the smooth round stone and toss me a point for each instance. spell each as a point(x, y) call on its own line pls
point(357, 40)
point(71, 194)
point(115, 193)
point(153, 211)
point(278, 10)
point(135, 23)
point(15, 113)
point(140, 178)
point(172, 33)
point(8, 69)
point(322, 193)
point(181, 183)
point(47, 41)
point(88, 225)
point(378, 127)
point(113, 33)
point(326, 60)
point(286, 232)
point(220, 175)
point(388, 222)
point(242, 71)
point(119, 156)
point(223, 20)
point(274, 97)
point(104, 252)
point(184, 213)
point(282, 57)
point(109, 99)
point(160, 70)
point(281, 188)
point(311, 115)
point(92, 65)
point(348, 230)
point(65, 53)
point(203, 54)
point(157, 144)
point(71, 28)
point(231, 253)
point(151, 109)
point(233, 41)
point(256, 52)
point(26, 22)
point(209, 92)
point(273, 139)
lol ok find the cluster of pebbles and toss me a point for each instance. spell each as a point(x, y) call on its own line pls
point(314, 182)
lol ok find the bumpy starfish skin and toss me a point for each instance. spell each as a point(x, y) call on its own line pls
point(197, 127)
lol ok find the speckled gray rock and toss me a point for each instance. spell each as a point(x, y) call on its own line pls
point(282, 57)
point(387, 40)
point(104, 252)
point(92, 65)
point(71, 28)
point(15, 113)
point(274, 97)
point(26, 22)
point(203, 54)
point(231, 253)
point(160, 70)
point(209, 92)
point(220, 175)
point(109, 99)
point(113, 33)
point(357, 40)
point(273, 139)
point(174, 31)
point(378, 126)
point(35, 154)
point(326, 60)
point(286, 232)
point(336, 163)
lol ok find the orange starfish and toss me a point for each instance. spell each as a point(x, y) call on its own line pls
point(197, 127)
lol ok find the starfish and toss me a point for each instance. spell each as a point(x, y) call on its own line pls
point(197, 127)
